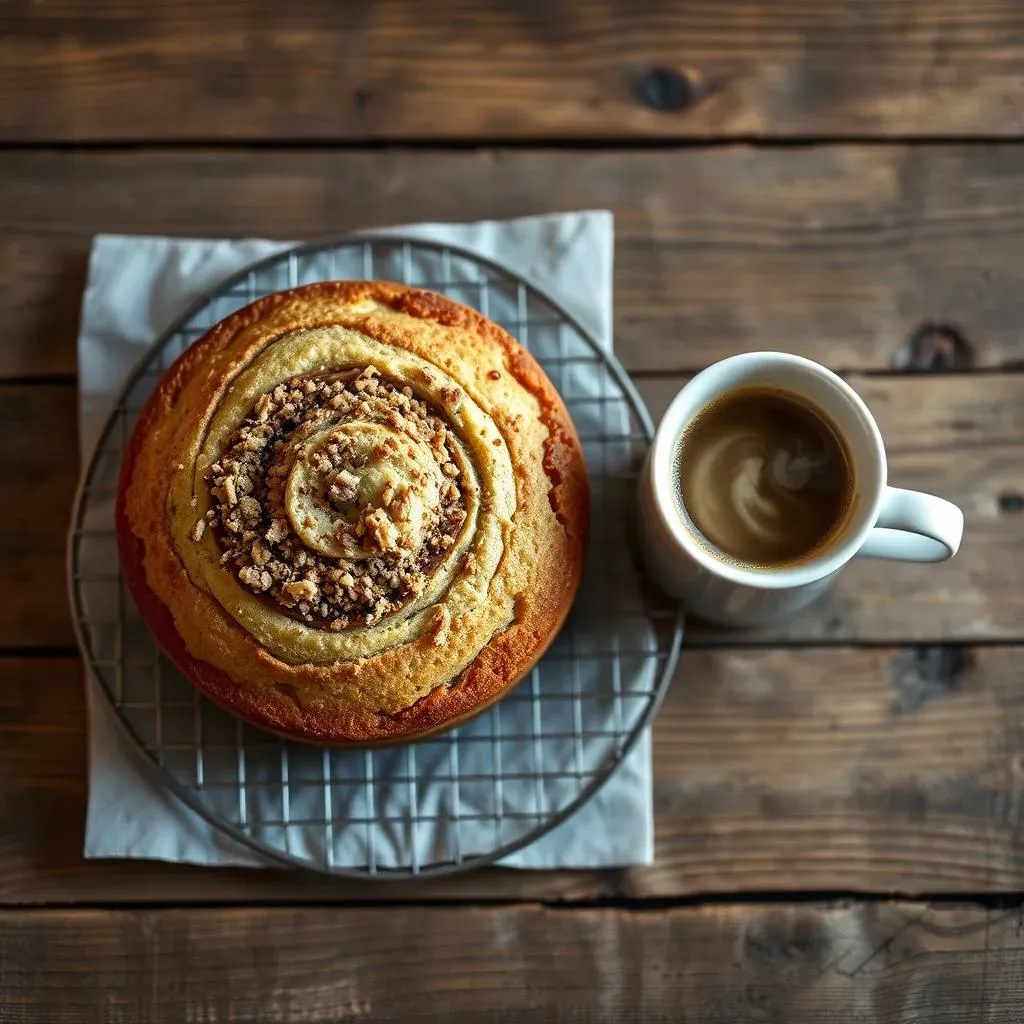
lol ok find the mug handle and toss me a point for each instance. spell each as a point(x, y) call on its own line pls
point(915, 527)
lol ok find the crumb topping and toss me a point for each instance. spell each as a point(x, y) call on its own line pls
point(337, 496)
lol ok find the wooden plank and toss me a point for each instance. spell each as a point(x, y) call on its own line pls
point(840, 253)
point(961, 436)
point(890, 770)
point(39, 458)
point(829, 769)
point(75, 70)
point(892, 963)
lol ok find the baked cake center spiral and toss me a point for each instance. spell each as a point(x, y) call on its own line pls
point(360, 490)
point(338, 495)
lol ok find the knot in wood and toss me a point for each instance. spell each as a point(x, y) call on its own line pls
point(924, 673)
point(666, 90)
point(935, 348)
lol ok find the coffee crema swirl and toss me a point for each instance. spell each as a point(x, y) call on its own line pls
point(764, 478)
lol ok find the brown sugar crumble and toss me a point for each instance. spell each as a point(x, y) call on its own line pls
point(382, 568)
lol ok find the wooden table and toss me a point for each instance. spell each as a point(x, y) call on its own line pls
point(840, 799)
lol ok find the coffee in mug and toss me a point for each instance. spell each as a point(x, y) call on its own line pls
point(765, 480)
point(767, 475)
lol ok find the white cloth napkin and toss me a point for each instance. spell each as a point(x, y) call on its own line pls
point(137, 286)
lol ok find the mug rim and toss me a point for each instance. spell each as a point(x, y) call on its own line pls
point(663, 487)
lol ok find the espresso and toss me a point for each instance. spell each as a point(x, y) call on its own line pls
point(764, 478)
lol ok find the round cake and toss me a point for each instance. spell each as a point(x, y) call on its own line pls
point(353, 513)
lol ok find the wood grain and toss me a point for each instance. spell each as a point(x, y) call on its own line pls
point(891, 963)
point(961, 436)
point(40, 467)
point(886, 770)
point(81, 71)
point(892, 770)
point(841, 253)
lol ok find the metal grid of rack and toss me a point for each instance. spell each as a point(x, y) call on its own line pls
point(479, 792)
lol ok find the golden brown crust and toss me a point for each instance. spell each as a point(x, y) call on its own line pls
point(354, 700)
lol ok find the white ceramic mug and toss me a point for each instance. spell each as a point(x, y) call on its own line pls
point(885, 522)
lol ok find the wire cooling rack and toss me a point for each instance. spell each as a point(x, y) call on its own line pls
point(479, 792)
